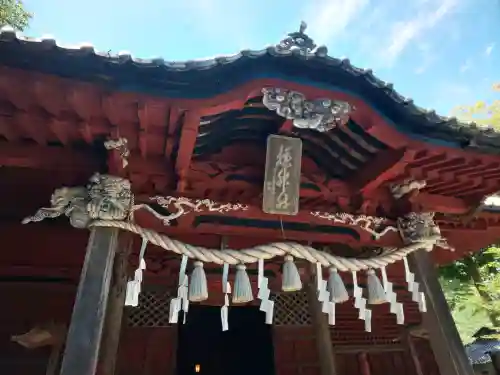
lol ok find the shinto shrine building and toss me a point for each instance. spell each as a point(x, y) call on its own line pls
point(275, 212)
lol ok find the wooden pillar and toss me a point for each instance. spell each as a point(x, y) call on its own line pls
point(413, 353)
point(321, 330)
point(54, 359)
point(89, 311)
point(364, 364)
point(114, 311)
point(445, 341)
point(495, 360)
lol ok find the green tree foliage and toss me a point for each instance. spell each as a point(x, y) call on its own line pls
point(13, 13)
point(472, 289)
point(482, 113)
point(472, 285)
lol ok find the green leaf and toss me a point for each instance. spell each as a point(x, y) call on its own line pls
point(13, 13)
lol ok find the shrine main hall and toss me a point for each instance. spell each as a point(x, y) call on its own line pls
point(278, 212)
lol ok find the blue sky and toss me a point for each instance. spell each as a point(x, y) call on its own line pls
point(441, 53)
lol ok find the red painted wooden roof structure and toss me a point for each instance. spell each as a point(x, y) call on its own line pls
point(198, 129)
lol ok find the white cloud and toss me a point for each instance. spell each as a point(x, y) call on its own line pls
point(428, 55)
point(329, 18)
point(466, 66)
point(428, 14)
point(489, 49)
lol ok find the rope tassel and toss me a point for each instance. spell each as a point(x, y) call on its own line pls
point(291, 276)
point(242, 288)
point(198, 290)
point(376, 293)
point(336, 287)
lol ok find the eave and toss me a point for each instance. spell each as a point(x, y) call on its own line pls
point(208, 81)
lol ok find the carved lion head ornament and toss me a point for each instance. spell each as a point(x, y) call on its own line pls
point(105, 197)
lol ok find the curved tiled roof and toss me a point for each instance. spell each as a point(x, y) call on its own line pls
point(478, 351)
point(209, 77)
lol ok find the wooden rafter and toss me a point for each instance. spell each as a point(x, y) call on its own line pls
point(386, 166)
point(187, 140)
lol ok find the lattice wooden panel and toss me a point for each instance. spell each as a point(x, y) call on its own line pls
point(153, 309)
point(291, 309)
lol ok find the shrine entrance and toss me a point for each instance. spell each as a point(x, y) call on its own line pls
point(245, 349)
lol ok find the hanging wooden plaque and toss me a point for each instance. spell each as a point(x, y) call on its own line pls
point(282, 177)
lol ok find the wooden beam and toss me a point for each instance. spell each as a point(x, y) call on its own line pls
point(54, 359)
point(153, 175)
point(50, 158)
point(378, 348)
point(444, 338)
point(254, 223)
point(87, 322)
point(364, 364)
point(187, 142)
point(408, 339)
point(321, 328)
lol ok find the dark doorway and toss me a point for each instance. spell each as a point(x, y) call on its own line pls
point(245, 349)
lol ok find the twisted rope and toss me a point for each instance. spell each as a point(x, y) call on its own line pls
point(265, 252)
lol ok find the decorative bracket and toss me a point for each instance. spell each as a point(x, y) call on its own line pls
point(421, 228)
point(406, 187)
point(120, 145)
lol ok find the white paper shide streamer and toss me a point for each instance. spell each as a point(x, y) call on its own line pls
point(413, 288)
point(266, 305)
point(181, 302)
point(391, 297)
point(324, 295)
point(134, 286)
point(226, 289)
point(360, 303)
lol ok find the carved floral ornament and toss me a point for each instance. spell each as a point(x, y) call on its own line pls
point(107, 201)
point(319, 114)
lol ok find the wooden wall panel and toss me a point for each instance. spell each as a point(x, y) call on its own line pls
point(347, 364)
point(152, 351)
point(391, 363)
point(426, 357)
point(24, 306)
point(147, 351)
point(295, 354)
point(295, 351)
